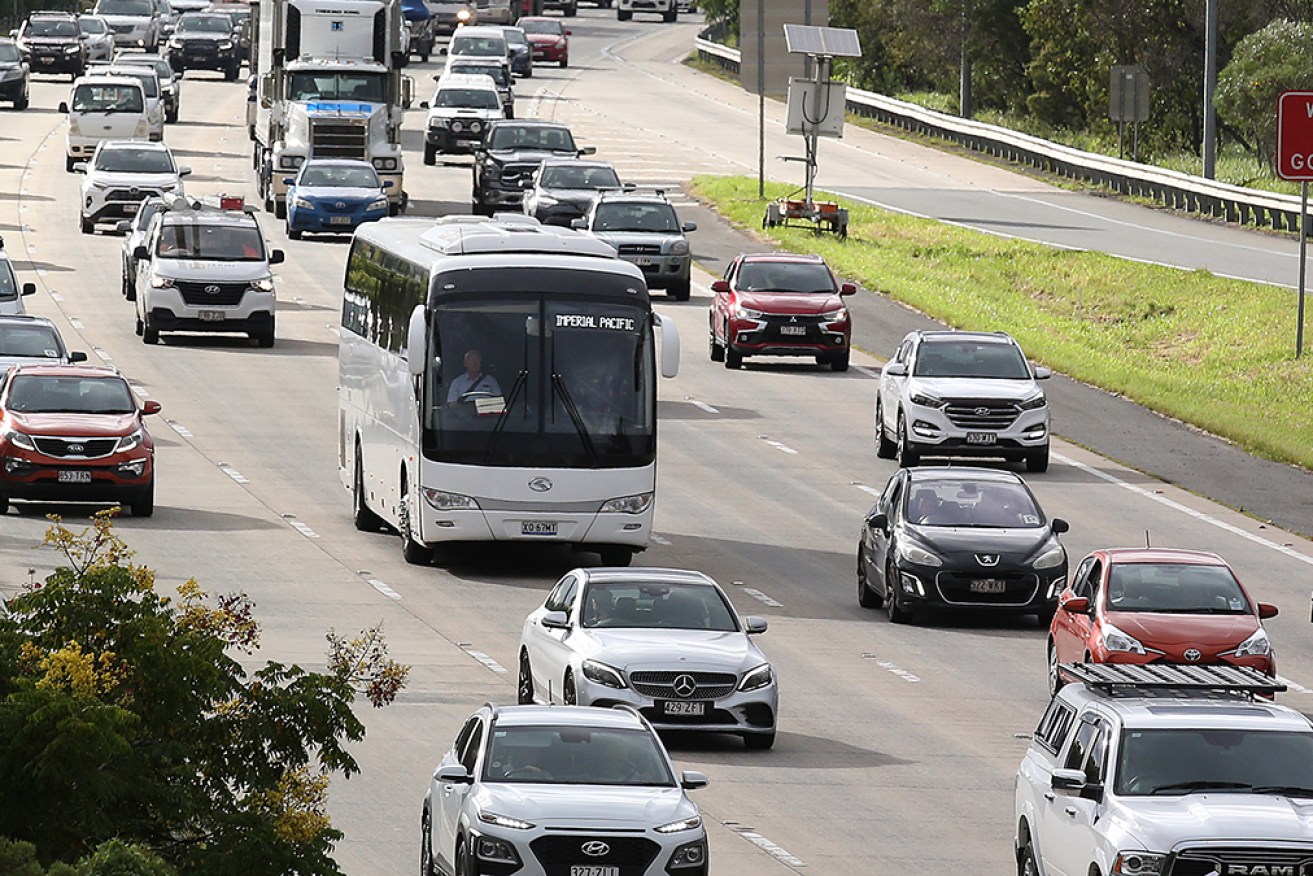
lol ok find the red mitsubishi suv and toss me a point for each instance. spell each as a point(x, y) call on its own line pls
point(780, 304)
point(74, 433)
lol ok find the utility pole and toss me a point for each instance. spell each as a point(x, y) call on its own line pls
point(965, 110)
point(761, 99)
point(1210, 85)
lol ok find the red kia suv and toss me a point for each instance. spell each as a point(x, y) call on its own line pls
point(1156, 605)
point(780, 304)
point(74, 433)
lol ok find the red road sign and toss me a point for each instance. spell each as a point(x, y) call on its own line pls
point(1295, 135)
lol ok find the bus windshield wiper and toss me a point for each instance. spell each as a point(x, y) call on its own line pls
point(506, 415)
point(558, 384)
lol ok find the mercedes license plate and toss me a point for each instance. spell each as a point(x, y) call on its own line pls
point(683, 708)
point(69, 476)
point(981, 438)
point(339, 220)
point(593, 870)
point(988, 585)
point(210, 315)
point(793, 329)
point(537, 527)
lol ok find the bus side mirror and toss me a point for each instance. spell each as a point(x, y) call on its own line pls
point(669, 346)
point(416, 341)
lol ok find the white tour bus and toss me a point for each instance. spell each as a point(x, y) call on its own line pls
point(497, 382)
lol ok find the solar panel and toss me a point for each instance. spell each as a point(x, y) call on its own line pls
point(833, 42)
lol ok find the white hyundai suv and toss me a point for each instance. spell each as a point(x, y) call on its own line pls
point(947, 393)
point(1166, 770)
point(121, 175)
point(549, 790)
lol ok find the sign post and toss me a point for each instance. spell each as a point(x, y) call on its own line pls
point(1128, 101)
point(1295, 162)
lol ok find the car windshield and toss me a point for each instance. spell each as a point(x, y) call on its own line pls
point(656, 606)
point(550, 27)
point(205, 24)
point(531, 137)
point(338, 176)
point(29, 342)
point(768, 276)
point(990, 504)
point(364, 87)
point(1182, 761)
point(575, 756)
point(225, 243)
point(9, 54)
point(124, 7)
point(128, 160)
point(516, 37)
point(51, 28)
point(491, 47)
point(564, 176)
point(496, 73)
point(108, 99)
point(467, 98)
point(48, 394)
point(1185, 588)
point(981, 359)
point(91, 25)
point(655, 218)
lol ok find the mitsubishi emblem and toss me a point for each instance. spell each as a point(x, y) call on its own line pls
point(684, 685)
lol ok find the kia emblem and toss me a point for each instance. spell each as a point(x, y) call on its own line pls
point(212, 290)
point(76, 448)
point(540, 485)
point(595, 849)
point(1193, 654)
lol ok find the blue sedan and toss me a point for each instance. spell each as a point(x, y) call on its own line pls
point(334, 196)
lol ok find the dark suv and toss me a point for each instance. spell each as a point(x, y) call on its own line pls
point(205, 41)
point(13, 75)
point(510, 153)
point(52, 43)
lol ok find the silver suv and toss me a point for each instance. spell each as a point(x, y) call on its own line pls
point(645, 230)
point(547, 790)
point(947, 393)
point(1162, 770)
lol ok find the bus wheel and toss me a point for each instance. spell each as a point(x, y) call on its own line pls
point(616, 555)
point(414, 553)
point(364, 519)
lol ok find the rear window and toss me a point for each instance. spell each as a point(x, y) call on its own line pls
point(30, 342)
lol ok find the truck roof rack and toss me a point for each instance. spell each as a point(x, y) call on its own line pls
point(1125, 678)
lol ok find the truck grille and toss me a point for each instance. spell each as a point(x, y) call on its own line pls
point(212, 294)
point(1222, 860)
point(82, 448)
point(981, 413)
point(557, 853)
point(512, 173)
point(338, 138)
point(661, 685)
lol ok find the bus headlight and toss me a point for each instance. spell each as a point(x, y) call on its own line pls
point(385, 164)
point(439, 500)
point(627, 504)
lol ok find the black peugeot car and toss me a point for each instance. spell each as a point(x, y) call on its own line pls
point(52, 43)
point(13, 75)
point(510, 153)
point(963, 538)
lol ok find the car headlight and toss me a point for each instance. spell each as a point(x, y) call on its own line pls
point(679, 247)
point(457, 125)
point(1256, 645)
point(835, 315)
point(161, 282)
point(492, 171)
point(504, 820)
point(443, 501)
point(496, 851)
point(635, 504)
point(927, 401)
point(72, 50)
point(302, 203)
point(918, 556)
point(225, 44)
point(170, 187)
point(691, 823)
point(1138, 864)
point(475, 127)
point(748, 313)
point(689, 855)
point(100, 186)
point(264, 284)
point(560, 43)
point(175, 43)
point(1116, 640)
point(757, 678)
point(1050, 558)
point(20, 439)
point(143, 128)
point(127, 442)
point(600, 673)
point(1035, 401)
point(380, 204)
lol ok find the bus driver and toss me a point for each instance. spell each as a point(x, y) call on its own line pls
point(473, 380)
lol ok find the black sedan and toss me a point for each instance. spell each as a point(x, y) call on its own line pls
point(969, 538)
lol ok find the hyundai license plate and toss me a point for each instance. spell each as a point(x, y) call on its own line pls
point(981, 438)
point(793, 329)
point(676, 707)
point(70, 476)
point(988, 585)
point(537, 527)
point(643, 261)
point(339, 220)
point(593, 870)
point(210, 315)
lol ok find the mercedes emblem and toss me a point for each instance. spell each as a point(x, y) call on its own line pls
point(595, 849)
point(540, 485)
point(212, 290)
point(1193, 654)
point(684, 685)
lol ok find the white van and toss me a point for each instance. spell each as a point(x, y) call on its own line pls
point(103, 108)
point(478, 43)
point(151, 86)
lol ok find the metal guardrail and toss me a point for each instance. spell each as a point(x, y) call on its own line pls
point(1179, 191)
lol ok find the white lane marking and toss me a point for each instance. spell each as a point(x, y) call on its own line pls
point(660, 540)
point(40, 272)
point(778, 853)
point(869, 372)
point(75, 322)
point(867, 489)
point(1197, 515)
point(299, 526)
point(302, 302)
point(701, 405)
point(140, 390)
point(893, 669)
point(759, 596)
point(778, 445)
point(482, 658)
point(104, 356)
point(233, 473)
point(55, 296)
point(180, 428)
point(383, 588)
point(1295, 687)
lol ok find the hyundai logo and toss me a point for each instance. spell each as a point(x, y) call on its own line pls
point(540, 485)
point(988, 559)
point(212, 290)
point(595, 849)
point(1193, 654)
point(684, 685)
point(981, 412)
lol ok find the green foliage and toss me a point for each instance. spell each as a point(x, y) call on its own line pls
point(112, 858)
point(125, 716)
point(1266, 63)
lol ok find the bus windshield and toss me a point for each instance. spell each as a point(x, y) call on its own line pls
point(538, 380)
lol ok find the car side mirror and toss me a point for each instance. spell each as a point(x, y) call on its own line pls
point(1076, 605)
point(691, 780)
point(140, 253)
point(720, 286)
point(555, 620)
point(1068, 782)
point(387, 184)
point(453, 774)
point(123, 226)
point(79, 167)
point(1059, 525)
point(580, 224)
point(184, 171)
point(528, 183)
point(754, 626)
point(1267, 610)
point(878, 520)
point(150, 406)
point(423, 104)
point(848, 289)
point(63, 107)
point(690, 226)
point(276, 257)
point(588, 150)
point(568, 32)
point(1042, 373)
point(77, 356)
point(29, 288)
point(437, 77)
point(895, 369)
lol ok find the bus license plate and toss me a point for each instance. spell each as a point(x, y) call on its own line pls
point(537, 527)
point(74, 477)
point(593, 870)
point(981, 438)
point(683, 708)
point(210, 316)
point(793, 329)
point(988, 585)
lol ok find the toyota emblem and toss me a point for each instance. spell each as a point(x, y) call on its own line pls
point(595, 849)
point(684, 685)
point(982, 412)
point(212, 290)
point(341, 205)
point(540, 485)
point(1193, 654)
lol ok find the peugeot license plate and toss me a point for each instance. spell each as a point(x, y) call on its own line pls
point(674, 707)
point(339, 220)
point(793, 329)
point(988, 585)
point(537, 527)
point(72, 476)
point(210, 316)
point(593, 870)
point(981, 438)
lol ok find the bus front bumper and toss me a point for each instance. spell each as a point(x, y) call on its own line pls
point(559, 527)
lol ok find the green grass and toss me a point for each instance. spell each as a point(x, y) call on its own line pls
point(1215, 353)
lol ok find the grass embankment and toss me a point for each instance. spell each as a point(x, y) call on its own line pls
point(1212, 352)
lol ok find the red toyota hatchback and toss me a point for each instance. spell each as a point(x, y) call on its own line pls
point(780, 304)
point(1153, 605)
point(74, 433)
point(548, 39)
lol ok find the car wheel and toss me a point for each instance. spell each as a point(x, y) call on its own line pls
point(571, 11)
point(759, 741)
point(839, 362)
point(884, 448)
point(426, 867)
point(1038, 460)
point(616, 555)
point(717, 350)
point(569, 696)
point(1045, 615)
point(293, 233)
point(565, 62)
point(622, 15)
point(171, 116)
point(430, 154)
point(280, 208)
point(866, 597)
point(1055, 679)
point(462, 860)
point(412, 551)
point(149, 334)
point(88, 225)
point(265, 339)
point(22, 102)
point(143, 505)
point(897, 614)
point(364, 519)
point(69, 161)
point(524, 685)
point(733, 358)
point(906, 455)
point(4, 504)
point(682, 291)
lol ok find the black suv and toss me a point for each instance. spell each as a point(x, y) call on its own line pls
point(52, 43)
point(510, 153)
point(205, 41)
point(13, 74)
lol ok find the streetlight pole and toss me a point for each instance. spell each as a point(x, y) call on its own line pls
point(1210, 85)
point(761, 99)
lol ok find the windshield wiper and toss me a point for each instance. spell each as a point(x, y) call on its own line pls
point(558, 384)
point(1202, 785)
point(1284, 790)
point(506, 414)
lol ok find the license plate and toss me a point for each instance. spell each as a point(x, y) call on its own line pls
point(45, 60)
point(593, 870)
point(981, 438)
point(988, 585)
point(537, 527)
point(793, 329)
point(131, 208)
point(682, 708)
point(210, 316)
point(74, 477)
point(339, 220)
point(643, 261)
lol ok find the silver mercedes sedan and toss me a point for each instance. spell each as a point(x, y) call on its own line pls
point(665, 641)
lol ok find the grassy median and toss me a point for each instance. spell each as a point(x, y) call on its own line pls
point(1215, 353)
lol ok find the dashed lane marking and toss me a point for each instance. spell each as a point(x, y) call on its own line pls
point(869, 372)
point(778, 445)
point(1294, 686)
point(383, 588)
point(701, 405)
point(233, 473)
point(180, 428)
point(660, 540)
point(487, 661)
point(775, 851)
point(866, 488)
point(104, 356)
point(55, 296)
point(299, 526)
point(893, 669)
point(75, 322)
point(759, 596)
point(140, 390)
